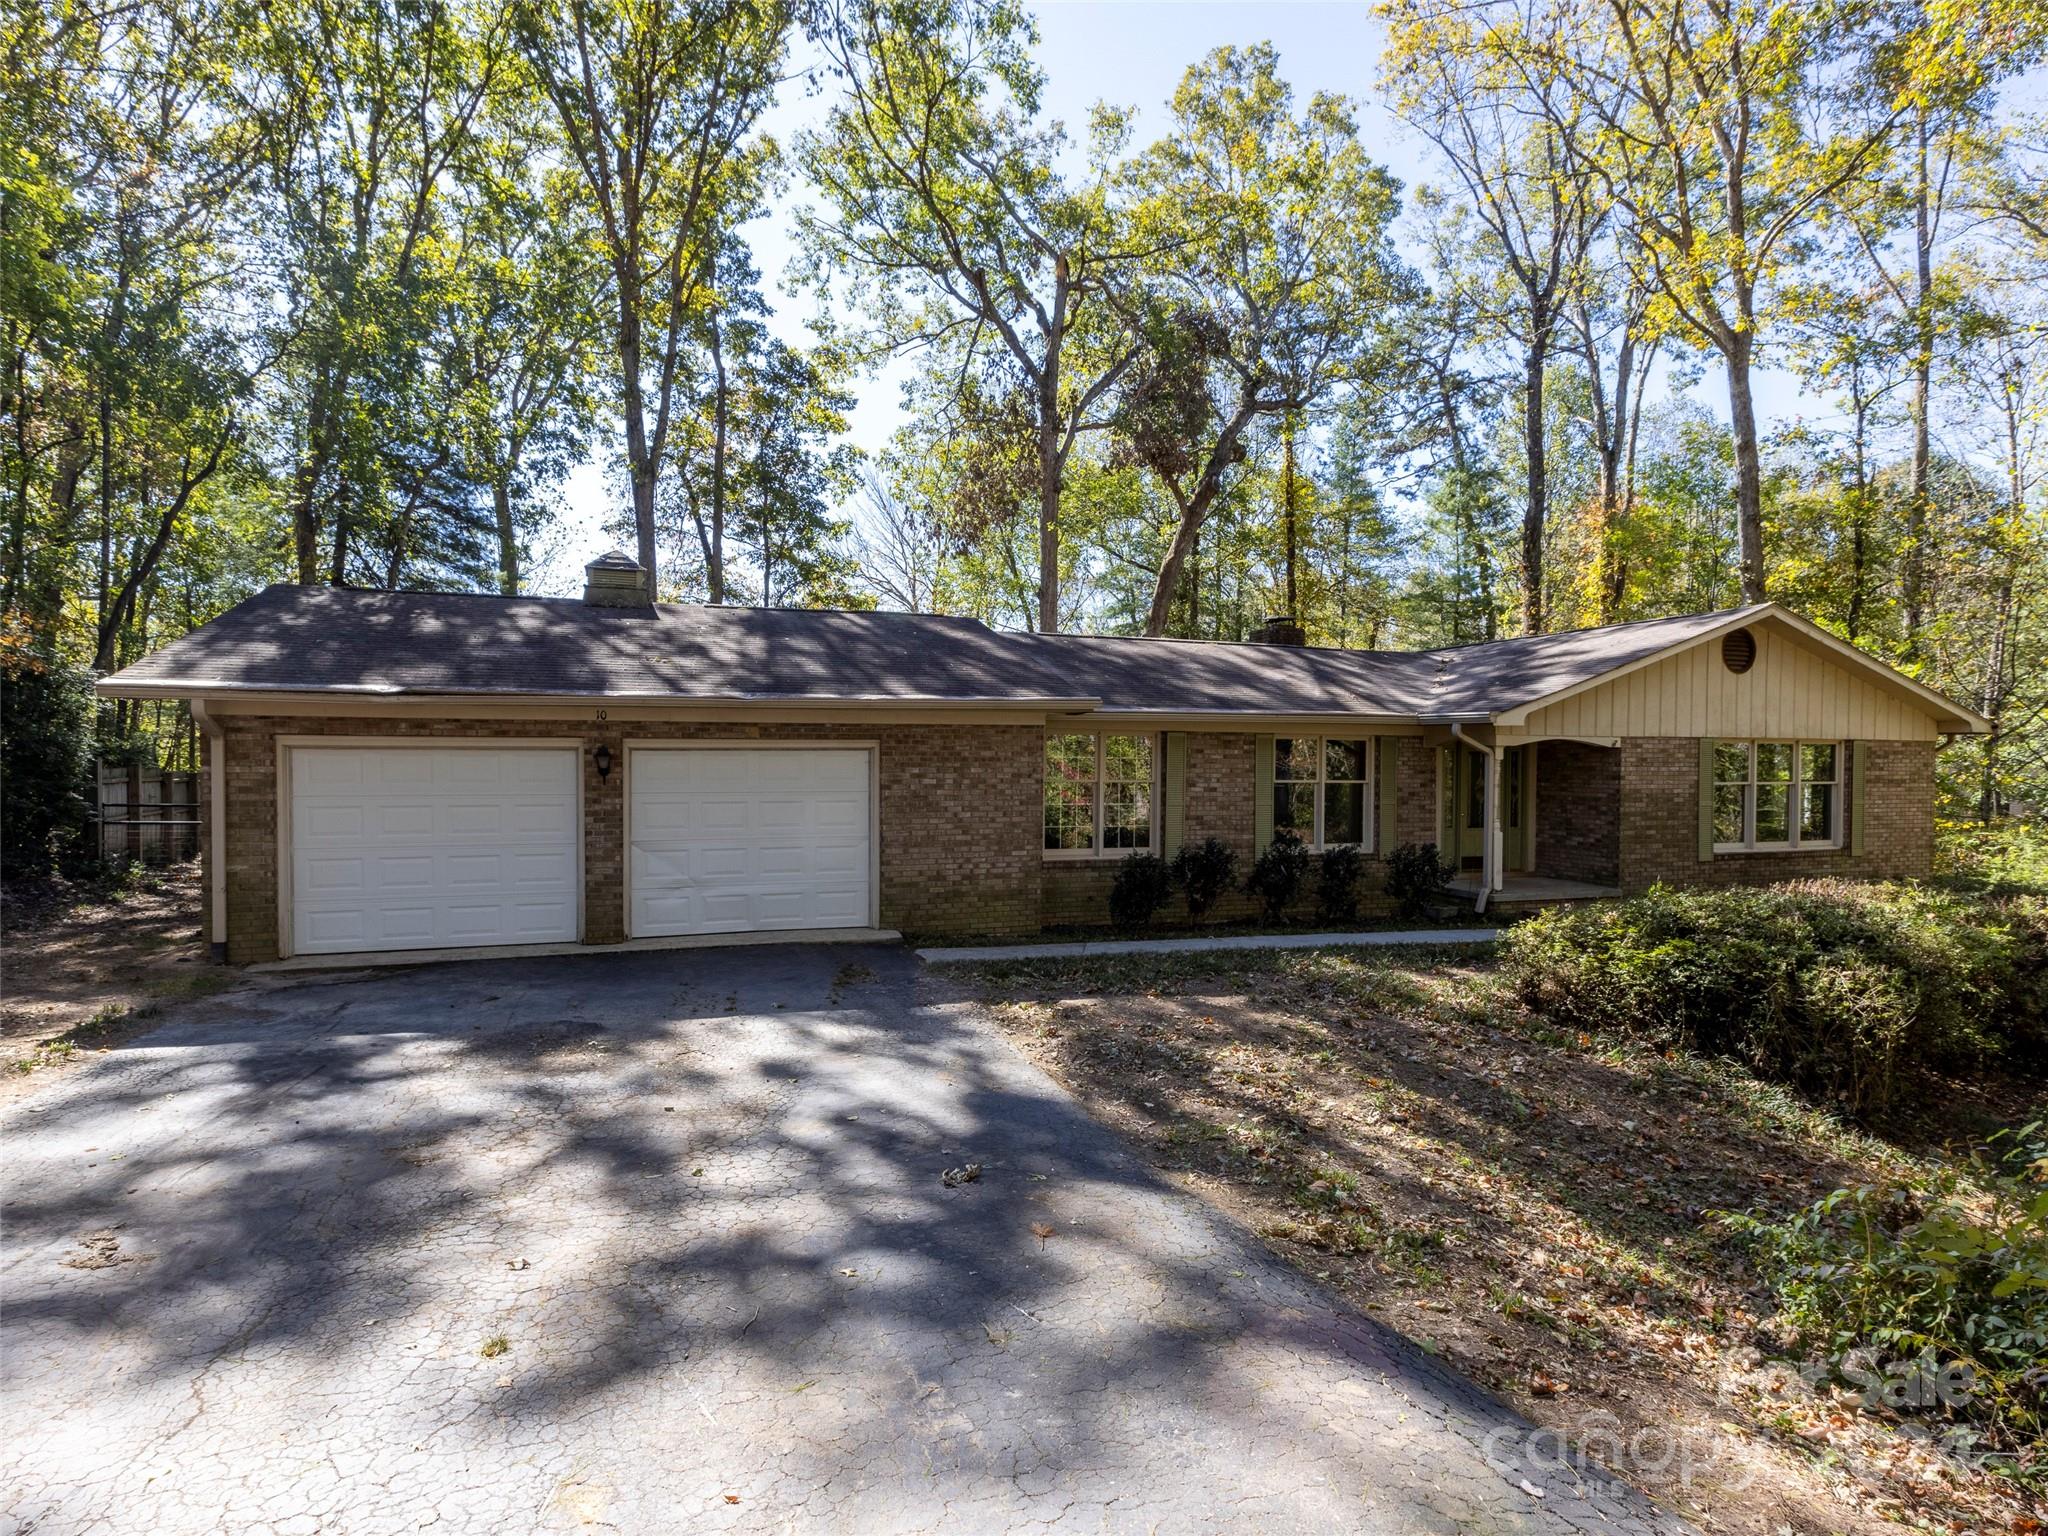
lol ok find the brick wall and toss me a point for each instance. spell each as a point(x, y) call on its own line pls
point(1221, 782)
point(1660, 820)
point(1578, 811)
point(959, 812)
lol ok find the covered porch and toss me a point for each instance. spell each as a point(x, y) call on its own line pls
point(1529, 821)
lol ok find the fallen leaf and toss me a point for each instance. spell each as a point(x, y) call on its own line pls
point(1041, 1230)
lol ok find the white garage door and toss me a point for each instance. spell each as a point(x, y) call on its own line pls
point(736, 839)
point(431, 847)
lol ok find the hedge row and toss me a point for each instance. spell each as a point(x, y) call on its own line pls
point(1831, 986)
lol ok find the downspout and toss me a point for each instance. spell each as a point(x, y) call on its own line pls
point(216, 830)
point(1489, 856)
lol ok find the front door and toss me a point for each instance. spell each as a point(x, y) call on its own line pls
point(1517, 807)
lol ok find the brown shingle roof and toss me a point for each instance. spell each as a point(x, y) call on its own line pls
point(327, 639)
point(337, 639)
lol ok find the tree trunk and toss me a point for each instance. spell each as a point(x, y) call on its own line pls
point(1287, 497)
point(1194, 511)
point(1533, 448)
point(1049, 500)
point(714, 555)
point(1915, 573)
point(1749, 513)
point(508, 536)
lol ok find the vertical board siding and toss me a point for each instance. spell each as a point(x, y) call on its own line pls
point(1792, 690)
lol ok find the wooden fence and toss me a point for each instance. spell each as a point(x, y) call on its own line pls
point(146, 813)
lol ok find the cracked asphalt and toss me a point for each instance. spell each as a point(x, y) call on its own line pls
point(251, 1264)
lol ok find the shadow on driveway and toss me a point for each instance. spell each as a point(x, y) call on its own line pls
point(252, 1265)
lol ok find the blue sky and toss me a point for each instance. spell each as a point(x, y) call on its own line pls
point(1131, 52)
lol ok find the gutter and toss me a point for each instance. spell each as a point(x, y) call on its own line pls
point(216, 830)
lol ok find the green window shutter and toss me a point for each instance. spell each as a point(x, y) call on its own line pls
point(1859, 759)
point(1173, 795)
point(1262, 793)
point(1706, 798)
point(1388, 751)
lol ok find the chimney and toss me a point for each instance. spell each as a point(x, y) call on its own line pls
point(615, 580)
point(1279, 629)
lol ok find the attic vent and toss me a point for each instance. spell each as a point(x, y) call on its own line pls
point(1738, 650)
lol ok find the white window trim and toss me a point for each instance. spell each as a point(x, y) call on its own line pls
point(1098, 853)
point(1370, 784)
point(1797, 814)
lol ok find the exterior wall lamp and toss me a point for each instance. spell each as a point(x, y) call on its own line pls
point(603, 758)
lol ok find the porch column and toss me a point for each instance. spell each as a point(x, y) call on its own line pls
point(1490, 846)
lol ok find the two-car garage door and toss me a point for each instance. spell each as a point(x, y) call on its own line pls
point(429, 847)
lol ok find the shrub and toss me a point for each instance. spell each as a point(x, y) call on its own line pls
point(1278, 874)
point(1830, 986)
point(1941, 1286)
point(45, 757)
point(2000, 855)
point(1337, 884)
point(1414, 875)
point(1204, 871)
point(1143, 884)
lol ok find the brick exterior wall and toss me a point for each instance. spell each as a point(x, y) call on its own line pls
point(1660, 796)
point(1221, 782)
point(959, 812)
point(1578, 811)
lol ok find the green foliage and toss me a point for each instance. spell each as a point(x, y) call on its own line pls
point(1415, 873)
point(2006, 855)
point(1278, 874)
point(45, 759)
point(1142, 886)
point(1834, 987)
point(1203, 871)
point(1932, 1296)
point(1337, 877)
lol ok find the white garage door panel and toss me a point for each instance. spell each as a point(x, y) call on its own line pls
point(735, 839)
point(432, 847)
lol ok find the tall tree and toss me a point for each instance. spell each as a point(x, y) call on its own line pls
point(944, 212)
point(1275, 279)
point(659, 101)
point(1540, 211)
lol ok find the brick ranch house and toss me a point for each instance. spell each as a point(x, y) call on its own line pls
point(395, 771)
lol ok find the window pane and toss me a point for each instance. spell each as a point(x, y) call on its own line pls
point(1127, 757)
point(1819, 765)
point(1343, 813)
point(1773, 763)
point(1728, 813)
point(1294, 810)
point(1817, 825)
point(1294, 758)
point(1070, 792)
point(1774, 813)
point(1343, 760)
point(1731, 762)
point(1127, 815)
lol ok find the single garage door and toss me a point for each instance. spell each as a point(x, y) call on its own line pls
point(432, 847)
point(734, 839)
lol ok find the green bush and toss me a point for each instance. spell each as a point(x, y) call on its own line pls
point(1831, 986)
point(45, 759)
point(1142, 886)
point(1278, 874)
point(1337, 880)
point(2000, 855)
point(1933, 1297)
point(1414, 876)
point(1204, 871)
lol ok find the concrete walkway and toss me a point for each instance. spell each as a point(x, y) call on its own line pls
point(655, 1243)
point(1195, 946)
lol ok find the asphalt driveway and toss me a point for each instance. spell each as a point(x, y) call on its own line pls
point(253, 1262)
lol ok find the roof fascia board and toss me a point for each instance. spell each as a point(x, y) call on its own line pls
point(1935, 703)
point(1248, 719)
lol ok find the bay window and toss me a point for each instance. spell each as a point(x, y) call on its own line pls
point(1322, 789)
point(1777, 794)
point(1099, 794)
